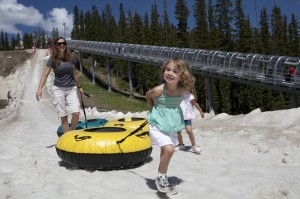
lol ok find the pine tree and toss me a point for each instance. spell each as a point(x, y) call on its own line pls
point(200, 33)
point(285, 35)
point(293, 37)
point(277, 27)
point(182, 14)
point(110, 24)
point(6, 42)
point(129, 20)
point(76, 25)
point(13, 42)
point(54, 33)
point(212, 29)
point(88, 27)
point(239, 31)
point(247, 37)
point(168, 35)
point(122, 26)
point(155, 29)
point(43, 40)
point(222, 20)
point(26, 41)
point(256, 41)
point(223, 16)
point(95, 31)
point(18, 39)
point(265, 43)
point(2, 44)
point(166, 25)
point(82, 27)
point(146, 30)
point(137, 29)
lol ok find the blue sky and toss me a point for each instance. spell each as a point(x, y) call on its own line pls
point(19, 16)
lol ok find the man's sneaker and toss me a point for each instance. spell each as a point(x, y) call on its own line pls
point(196, 149)
point(179, 147)
point(163, 185)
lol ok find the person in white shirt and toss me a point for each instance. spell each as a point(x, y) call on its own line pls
point(187, 105)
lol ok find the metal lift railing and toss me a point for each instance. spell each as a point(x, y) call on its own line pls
point(262, 70)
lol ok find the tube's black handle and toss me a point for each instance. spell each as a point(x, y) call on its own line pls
point(86, 94)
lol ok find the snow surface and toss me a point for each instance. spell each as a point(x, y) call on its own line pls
point(244, 156)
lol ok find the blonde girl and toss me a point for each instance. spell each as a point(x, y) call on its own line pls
point(165, 117)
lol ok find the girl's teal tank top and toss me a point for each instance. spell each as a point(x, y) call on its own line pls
point(166, 113)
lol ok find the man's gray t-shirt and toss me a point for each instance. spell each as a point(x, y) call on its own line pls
point(63, 72)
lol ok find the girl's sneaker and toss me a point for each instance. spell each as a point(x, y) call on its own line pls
point(196, 150)
point(179, 147)
point(163, 185)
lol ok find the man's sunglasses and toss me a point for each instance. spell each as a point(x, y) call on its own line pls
point(61, 43)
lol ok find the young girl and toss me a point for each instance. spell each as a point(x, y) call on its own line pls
point(187, 104)
point(165, 118)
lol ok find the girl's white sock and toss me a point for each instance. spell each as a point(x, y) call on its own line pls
point(162, 174)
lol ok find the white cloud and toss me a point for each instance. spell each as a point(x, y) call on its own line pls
point(56, 18)
point(13, 13)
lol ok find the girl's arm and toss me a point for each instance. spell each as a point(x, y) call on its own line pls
point(194, 103)
point(151, 94)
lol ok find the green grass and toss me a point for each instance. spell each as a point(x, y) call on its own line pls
point(106, 100)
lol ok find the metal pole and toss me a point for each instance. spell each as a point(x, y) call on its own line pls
point(293, 101)
point(64, 24)
point(209, 94)
point(108, 74)
point(80, 55)
point(130, 79)
point(93, 69)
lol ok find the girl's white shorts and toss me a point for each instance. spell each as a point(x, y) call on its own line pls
point(160, 139)
point(65, 99)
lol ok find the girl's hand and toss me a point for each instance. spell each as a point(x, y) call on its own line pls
point(38, 94)
point(81, 91)
point(202, 114)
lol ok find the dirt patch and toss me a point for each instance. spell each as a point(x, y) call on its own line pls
point(10, 60)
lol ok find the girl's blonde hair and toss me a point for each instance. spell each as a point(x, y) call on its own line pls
point(187, 79)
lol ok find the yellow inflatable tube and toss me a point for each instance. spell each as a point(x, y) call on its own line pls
point(106, 146)
point(129, 122)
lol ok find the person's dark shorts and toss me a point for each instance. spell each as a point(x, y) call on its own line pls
point(188, 122)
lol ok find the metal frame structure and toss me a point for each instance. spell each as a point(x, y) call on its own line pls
point(266, 71)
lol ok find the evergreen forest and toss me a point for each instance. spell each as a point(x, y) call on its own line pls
point(218, 25)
